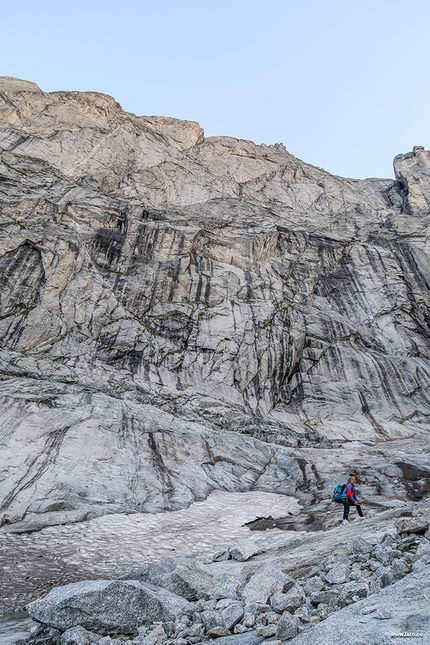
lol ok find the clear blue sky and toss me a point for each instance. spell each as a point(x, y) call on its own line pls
point(344, 84)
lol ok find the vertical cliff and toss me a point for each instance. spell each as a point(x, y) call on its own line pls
point(181, 313)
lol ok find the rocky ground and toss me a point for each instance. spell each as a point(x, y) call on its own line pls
point(360, 582)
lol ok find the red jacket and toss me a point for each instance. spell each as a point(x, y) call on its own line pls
point(350, 491)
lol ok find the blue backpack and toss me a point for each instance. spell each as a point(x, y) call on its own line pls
point(339, 493)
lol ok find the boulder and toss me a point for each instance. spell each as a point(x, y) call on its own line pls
point(226, 589)
point(155, 636)
point(326, 596)
point(416, 524)
point(266, 630)
point(289, 601)
point(218, 631)
point(337, 574)
point(360, 546)
point(248, 638)
point(78, 636)
point(232, 613)
point(106, 606)
point(383, 613)
point(261, 586)
point(399, 568)
point(314, 585)
point(287, 627)
point(355, 589)
point(181, 576)
point(384, 555)
point(243, 550)
point(211, 618)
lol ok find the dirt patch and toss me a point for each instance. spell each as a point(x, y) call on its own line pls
point(303, 523)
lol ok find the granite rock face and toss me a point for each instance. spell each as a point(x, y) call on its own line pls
point(187, 313)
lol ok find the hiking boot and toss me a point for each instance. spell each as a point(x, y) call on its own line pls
point(345, 521)
point(359, 519)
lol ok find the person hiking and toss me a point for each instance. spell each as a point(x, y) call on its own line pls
point(351, 500)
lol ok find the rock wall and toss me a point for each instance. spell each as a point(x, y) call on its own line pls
point(164, 294)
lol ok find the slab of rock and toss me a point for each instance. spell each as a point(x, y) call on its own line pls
point(360, 546)
point(287, 627)
point(154, 258)
point(78, 636)
point(338, 574)
point(289, 601)
point(313, 585)
point(107, 607)
point(417, 525)
point(261, 586)
point(243, 550)
point(232, 613)
point(211, 618)
point(182, 576)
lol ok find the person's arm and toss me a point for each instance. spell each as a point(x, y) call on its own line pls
point(351, 494)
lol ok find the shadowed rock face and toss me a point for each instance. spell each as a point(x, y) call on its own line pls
point(159, 289)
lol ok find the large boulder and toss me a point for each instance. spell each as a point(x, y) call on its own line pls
point(181, 576)
point(261, 586)
point(243, 550)
point(287, 627)
point(417, 525)
point(289, 601)
point(106, 606)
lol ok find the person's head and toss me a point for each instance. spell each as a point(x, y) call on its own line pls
point(352, 479)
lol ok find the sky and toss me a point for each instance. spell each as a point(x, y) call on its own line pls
point(343, 84)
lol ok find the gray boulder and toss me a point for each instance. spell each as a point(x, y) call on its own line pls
point(384, 555)
point(232, 613)
point(338, 574)
point(360, 546)
point(78, 636)
point(355, 589)
point(287, 627)
point(226, 589)
point(329, 597)
point(181, 576)
point(243, 550)
point(289, 601)
point(417, 525)
point(212, 618)
point(314, 585)
point(106, 606)
point(262, 586)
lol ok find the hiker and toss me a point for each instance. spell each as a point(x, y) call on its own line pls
point(350, 499)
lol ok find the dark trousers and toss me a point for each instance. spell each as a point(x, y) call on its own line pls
point(347, 505)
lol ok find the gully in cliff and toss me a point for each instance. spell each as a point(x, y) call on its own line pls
point(345, 494)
